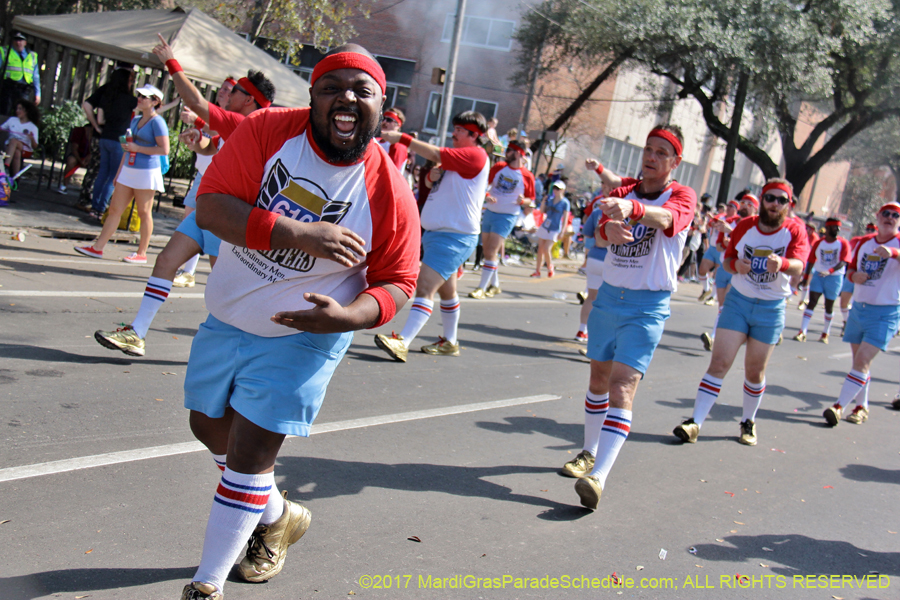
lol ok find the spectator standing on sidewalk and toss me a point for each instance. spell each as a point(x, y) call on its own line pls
point(21, 75)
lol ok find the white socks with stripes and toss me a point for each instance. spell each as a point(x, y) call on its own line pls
point(418, 316)
point(753, 393)
point(450, 318)
point(595, 408)
point(155, 294)
point(707, 394)
point(854, 382)
point(488, 273)
point(615, 430)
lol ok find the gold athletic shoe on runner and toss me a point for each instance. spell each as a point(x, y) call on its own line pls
point(269, 543)
point(185, 280)
point(492, 291)
point(198, 590)
point(859, 415)
point(579, 466)
point(687, 432)
point(832, 415)
point(748, 433)
point(589, 490)
point(478, 294)
point(441, 348)
point(800, 337)
point(123, 338)
point(393, 345)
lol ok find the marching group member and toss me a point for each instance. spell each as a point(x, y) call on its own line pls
point(875, 316)
point(847, 287)
point(765, 251)
point(644, 227)
point(393, 120)
point(827, 259)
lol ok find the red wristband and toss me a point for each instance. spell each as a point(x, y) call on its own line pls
point(199, 123)
point(387, 307)
point(259, 229)
point(785, 265)
point(173, 66)
point(601, 230)
point(405, 139)
point(732, 263)
point(637, 210)
point(599, 169)
point(894, 252)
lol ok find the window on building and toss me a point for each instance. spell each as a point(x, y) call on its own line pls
point(482, 32)
point(460, 104)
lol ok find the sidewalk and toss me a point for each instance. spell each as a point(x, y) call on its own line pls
point(48, 213)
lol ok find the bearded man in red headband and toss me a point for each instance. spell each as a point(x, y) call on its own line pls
point(512, 185)
point(644, 226)
point(393, 120)
point(320, 237)
point(765, 251)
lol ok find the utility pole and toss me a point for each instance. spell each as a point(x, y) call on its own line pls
point(450, 81)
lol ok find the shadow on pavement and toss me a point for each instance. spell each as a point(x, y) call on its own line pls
point(802, 555)
point(24, 352)
point(27, 587)
point(570, 432)
point(867, 473)
point(36, 267)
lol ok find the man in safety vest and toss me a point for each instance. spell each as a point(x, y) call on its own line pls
point(21, 78)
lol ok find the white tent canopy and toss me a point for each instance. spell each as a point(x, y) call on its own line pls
point(206, 50)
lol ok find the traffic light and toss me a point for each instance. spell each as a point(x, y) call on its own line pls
point(437, 76)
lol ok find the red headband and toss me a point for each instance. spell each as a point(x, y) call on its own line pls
point(891, 205)
point(669, 137)
point(230, 80)
point(389, 114)
point(471, 127)
point(871, 227)
point(830, 222)
point(777, 185)
point(516, 147)
point(349, 60)
point(248, 87)
point(751, 199)
point(734, 203)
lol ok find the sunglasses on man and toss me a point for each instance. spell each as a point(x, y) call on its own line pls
point(890, 214)
point(773, 198)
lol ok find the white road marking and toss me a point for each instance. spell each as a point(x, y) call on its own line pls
point(113, 458)
point(77, 261)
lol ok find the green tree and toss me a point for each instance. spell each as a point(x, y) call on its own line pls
point(876, 147)
point(862, 197)
point(10, 8)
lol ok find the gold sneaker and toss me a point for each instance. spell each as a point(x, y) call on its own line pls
point(859, 415)
point(589, 490)
point(199, 590)
point(748, 433)
point(832, 415)
point(707, 341)
point(800, 337)
point(704, 295)
point(183, 279)
point(579, 466)
point(687, 432)
point(478, 294)
point(711, 301)
point(493, 290)
point(441, 348)
point(269, 543)
point(824, 338)
point(123, 338)
point(393, 345)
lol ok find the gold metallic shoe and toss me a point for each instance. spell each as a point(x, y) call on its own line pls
point(185, 280)
point(579, 466)
point(393, 345)
point(832, 415)
point(199, 590)
point(687, 432)
point(707, 341)
point(748, 433)
point(493, 290)
point(582, 297)
point(269, 543)
point(859, 415)
point(800, 337)
point(442, 348)
point(478, 294)
point(589, 490)
point(704, 295)
point(711, 301)
point(824, 338)
point(123, 338)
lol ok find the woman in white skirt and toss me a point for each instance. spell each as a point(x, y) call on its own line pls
point(139, 176)
point(556, 215)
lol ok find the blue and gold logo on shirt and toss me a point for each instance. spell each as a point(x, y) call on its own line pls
point(759, 262)
point(873, 266)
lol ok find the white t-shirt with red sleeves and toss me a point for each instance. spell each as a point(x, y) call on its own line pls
point(398, 153)
point(455, 201)
point(651, 261)
point(747, 241)
point(827, 255)
point(507, 184)
point(272, 162)
point(883, 285)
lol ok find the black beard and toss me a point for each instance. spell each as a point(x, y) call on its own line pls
point(743, 213)
point(768, 221)
point(343, 155)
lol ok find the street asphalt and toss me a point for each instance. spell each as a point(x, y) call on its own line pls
point(430, 478)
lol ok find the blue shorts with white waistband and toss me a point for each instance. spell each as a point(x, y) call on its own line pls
point(712, 254)
point(762, 320)
point(827, 285)
point(625, 325)
point(874, 324)
point(499, 223)
point(445, 251)
point(209, 243)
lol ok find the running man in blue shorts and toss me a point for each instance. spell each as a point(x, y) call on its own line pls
point(746, 207)
point(847, 287)
point(451, 219)
point(711, 258)
point(827, 261)
point(512, 185)
point(765, 251)
point(875, 316)
point(320, 237)
point(188, 240)
point(644, 228)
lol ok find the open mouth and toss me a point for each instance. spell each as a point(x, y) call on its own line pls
point(344, 125)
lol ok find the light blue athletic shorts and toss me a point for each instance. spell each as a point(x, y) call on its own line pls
point(827, 285)
point(626, 325)
point(498, 223)
point(191, 198)
point(277, 383)
point(874, 324)
point(847, 286)
point(712, 253)
point(723, 277)
point(209, 244)
point(762, 320)
point(446, 251)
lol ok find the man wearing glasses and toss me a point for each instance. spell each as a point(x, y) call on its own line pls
point(765, 251)
point(875, 273)
point(393, 120)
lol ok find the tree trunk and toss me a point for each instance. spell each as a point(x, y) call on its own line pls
point(734, 135)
